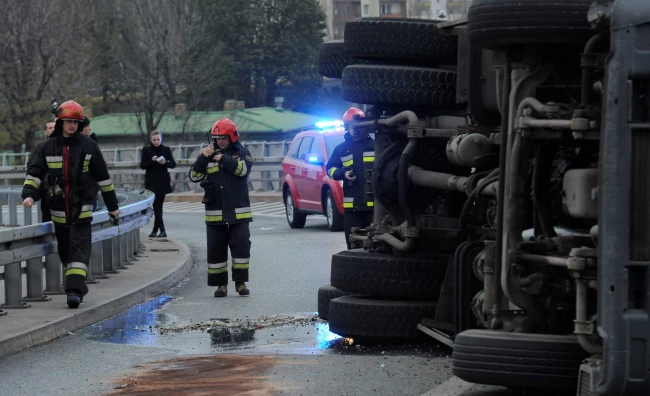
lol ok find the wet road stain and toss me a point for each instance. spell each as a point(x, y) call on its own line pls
point(198, 376)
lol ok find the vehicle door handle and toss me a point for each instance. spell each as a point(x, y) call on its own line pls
point(292, 167)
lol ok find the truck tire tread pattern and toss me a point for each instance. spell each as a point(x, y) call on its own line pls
point(388, 275)
point(517, 359)
point(366, 318)
point(400, 39)
point(325, 295)
point(399, 85)
point(498, 23)
point(332, 59)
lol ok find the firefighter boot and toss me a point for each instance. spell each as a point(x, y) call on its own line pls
point(74, 299)
point(154, 232)
point(222, 291)
point(162, 234)
point(242, 289)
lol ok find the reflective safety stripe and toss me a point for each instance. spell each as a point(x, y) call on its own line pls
point(370, 204)
point(76, 269)
point(87, 207)
point(218, 265)
point(54, 161)
point(242, 169)
point(240, 266)
point(58, 216)
point(77, 265)
point(348, 203)
point(240, 263)
point(213, 219)
point(212, 167)
point(213, 212)
point(88, 157)
point(196, 174)
point(369, 156)
point(76, 272)
point(243, 210)
point(106, 185)
point(243, 213)
point(86, 163)
point(213, 215)
point(32, 181)
point(330, 173)
point(86, 214)
point(215, 271)
point(348, 160)
point(212, 170)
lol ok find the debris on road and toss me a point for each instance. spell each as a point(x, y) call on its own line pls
point(246, 324)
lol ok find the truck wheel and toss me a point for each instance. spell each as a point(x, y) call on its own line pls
point(332, 59)
point(351, 316)
point(388, 274)
point(499, 23)
point(409, 39)
point(325, 295)
point(334, 218)
point(517, 360)
point(399, 85)
point(295, 217)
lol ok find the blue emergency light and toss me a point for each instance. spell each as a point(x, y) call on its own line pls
point(329, 124)
point(312, 159)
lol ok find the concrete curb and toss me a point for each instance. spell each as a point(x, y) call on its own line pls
point(41, 334)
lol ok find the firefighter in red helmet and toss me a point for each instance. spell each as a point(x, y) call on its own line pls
point(74, 170)
point(352, 162)
point(225, 164)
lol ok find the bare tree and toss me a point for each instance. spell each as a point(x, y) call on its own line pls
point(458, 8)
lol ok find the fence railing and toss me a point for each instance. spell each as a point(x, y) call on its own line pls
point(123, 164)
point(31, 250)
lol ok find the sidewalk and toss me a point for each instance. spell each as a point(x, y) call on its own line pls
point(162, 264)
point(255, 196)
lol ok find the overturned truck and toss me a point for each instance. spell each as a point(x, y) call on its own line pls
point(511, 188)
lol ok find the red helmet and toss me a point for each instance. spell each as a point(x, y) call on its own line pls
point(71, 111)
point(225, 127)
point(352, 113)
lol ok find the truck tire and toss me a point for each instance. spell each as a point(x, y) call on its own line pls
point(359, 317)
point(517, 360)
point(332, 59)
point(399, 85)
point(389, 275)
point(407, 39)
point(499, 23)
point(325, 295)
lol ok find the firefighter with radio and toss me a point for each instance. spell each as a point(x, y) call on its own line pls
point(352, 162)
point(74, 170)
point(222, 168)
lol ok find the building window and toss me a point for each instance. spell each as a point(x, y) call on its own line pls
point(386, 9)
point(366, 9)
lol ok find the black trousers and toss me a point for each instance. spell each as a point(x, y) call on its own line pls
point(220, 238)
point(74, 242)
point(357, 218)
point(158, 212)
point(45, 209)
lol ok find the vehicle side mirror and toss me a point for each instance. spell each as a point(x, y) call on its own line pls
point(314, 159)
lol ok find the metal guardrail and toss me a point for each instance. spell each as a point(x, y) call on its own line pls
point(125, 171)
point(113, 247)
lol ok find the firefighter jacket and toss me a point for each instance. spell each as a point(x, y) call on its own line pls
point(226, 185)
point(358, 156)
point(74, 171)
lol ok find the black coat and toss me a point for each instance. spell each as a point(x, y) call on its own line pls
point(156, 177)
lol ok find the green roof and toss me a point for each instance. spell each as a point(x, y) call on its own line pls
point(254, 120)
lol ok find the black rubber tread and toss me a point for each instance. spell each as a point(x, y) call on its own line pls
point(400, 39)
point(332, 59)
point(388, 274)
point(351, 316)
point(498, 23)
point(325, 294)
point(517, 359)
point(399, 85)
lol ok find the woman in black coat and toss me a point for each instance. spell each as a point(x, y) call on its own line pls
point(156, 159)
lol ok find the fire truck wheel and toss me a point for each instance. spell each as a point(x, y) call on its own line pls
point(332, 59)
point(403, 39)
point(360, 317)
point(389, 275)
point(500, 23)
point(325, 295)
point(517, 360)
point(399, 85)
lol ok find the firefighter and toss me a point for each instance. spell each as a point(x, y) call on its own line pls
point(75, 170)
point(352, 162)
point(225, 165)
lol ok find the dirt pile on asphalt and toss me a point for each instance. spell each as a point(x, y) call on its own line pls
point(246, 324)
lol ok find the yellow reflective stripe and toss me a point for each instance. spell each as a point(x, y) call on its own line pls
point(85, 215)
point(331, 172)
point(212, 170)
point(107, 188)
point(239, 168)
point(348, 164)
point(348, 205)
point(196, 174)
point(240, 266)
point(370, 203)
point(214, 271)
point(58, 219)
point(55, 165)
point(31, 183)
point(213, 218)
point(243, 215)
point(368, 159)
point(75, 271)
point(86, 162)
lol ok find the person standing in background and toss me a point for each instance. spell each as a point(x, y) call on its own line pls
point(42, 191)
point(155, 161)
point(87, 131)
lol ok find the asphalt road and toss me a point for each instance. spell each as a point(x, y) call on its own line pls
point(164, 347)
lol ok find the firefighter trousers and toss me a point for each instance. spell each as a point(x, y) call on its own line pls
point(74, 242)
point(356, 218)
point(220, 238)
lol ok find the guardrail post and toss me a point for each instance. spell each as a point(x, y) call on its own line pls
point(267, 185)
point(129, 247)
point(3, 199)
point(124, 257)
point(27, 216)
point(39, 213)
point(117, 255)
point(13, 210)
point(96, 261)
point(34, 272)
point(13, 287)
point(107, 257)
point(53, 275)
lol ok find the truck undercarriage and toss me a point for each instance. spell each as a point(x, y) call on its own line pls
point(511, 194)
